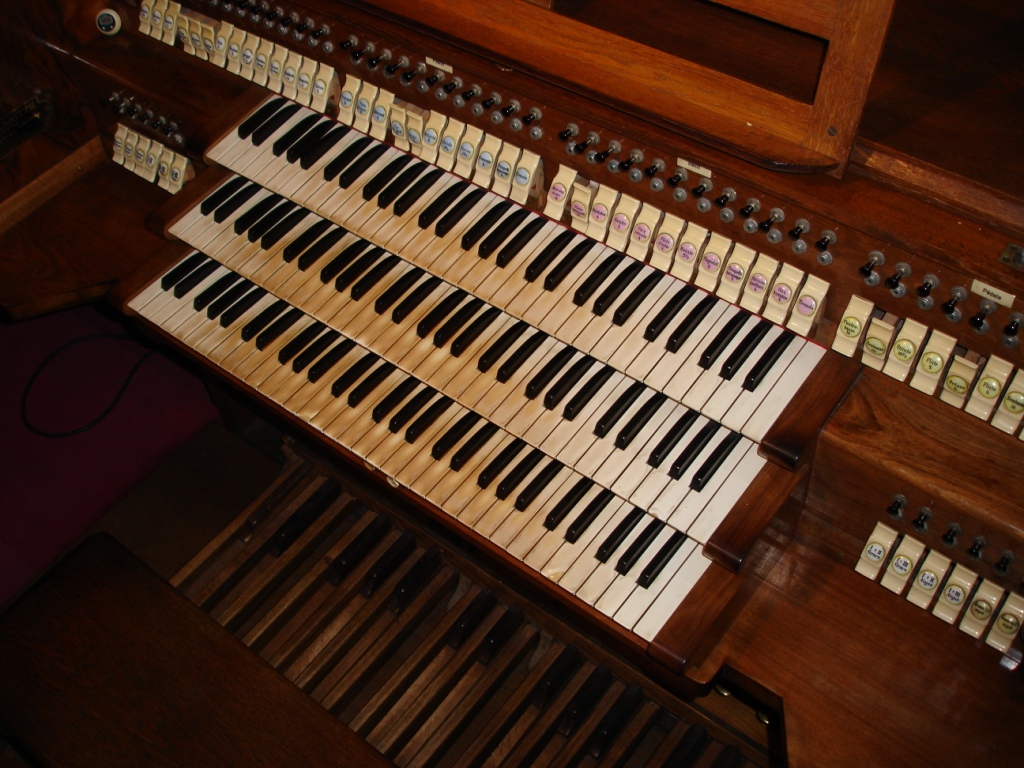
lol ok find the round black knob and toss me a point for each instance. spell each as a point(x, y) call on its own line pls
point(895, 509)
point(271, 15)
point(433, 79)
point(625, 165)
point(747, 211)
point(357, 55)
point(600, 157)
point(242, 4)
point(867, 270)
point(287, 21)
point(652, 171)
point(449, 87)
point(975, 551)
point(949, 537)
point(375, 61)
point(921, 521)
point(823, 243)
point(488, 102)
point(766, 225)
point(893, 282)
point(949, 307)
point(1012, 327)
point(302, 28)
point(722, 201)
point(977, 322)
point(566, 134)
point(510, 109)
point(529, 118)
point(700, 189)
point(132, 110)
point(316, 34)
point(924, 290)
point(391, 69)
point(469, 94)
point(407, 77)
point(1003, 566)
point(796, 232)
point(674, 181)
point(581, 147)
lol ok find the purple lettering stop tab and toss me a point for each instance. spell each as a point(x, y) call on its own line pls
point(664, 243)
point(806, 305)
point(687, 252)
point(599, 213)
point(641, 233)
point(557, 192)
point(620, 222)
point(782, 293)
point(734, 273)
point(711, 262)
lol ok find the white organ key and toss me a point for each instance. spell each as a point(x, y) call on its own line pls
point(604, 574)
point(783, 391)
point(623, 585)
point(729, 391)
point(673, 594)
point(641, 599)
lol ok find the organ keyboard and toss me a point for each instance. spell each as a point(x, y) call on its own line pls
point(663, 339)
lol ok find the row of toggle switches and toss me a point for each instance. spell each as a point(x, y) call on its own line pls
point(300, 78)
point(933, 578)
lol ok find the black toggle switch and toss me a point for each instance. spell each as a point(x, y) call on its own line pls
point(347, 44)
point(977, 322)
point(433, 79)
point(376, 60)
point(722, 201)
point(797, 232)
point(921, 521)
point(826, 240)
point(868, 269)
point(600, 157)
point(488, 102)
point(530, 117)
point(566, 134)
point(747, 211)
point(316, 34)
point(949, 307)
point(949, 537)
point(975, 551)
point(510, 109)
point(408, 77)
point(893, 281)
point(581, 146)
point(391, 69)
point(924, 290)
point(674, 181)
point(450, 86)
point(895, 509)
point(1012, 328)
point(358, 55)
point(701, 188)
point(471, 93)
point(1003, 566)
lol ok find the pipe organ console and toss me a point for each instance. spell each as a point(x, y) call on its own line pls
point(697, 321)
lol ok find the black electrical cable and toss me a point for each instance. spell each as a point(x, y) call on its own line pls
point(106, 411)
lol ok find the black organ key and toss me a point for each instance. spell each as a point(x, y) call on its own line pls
point(268, 222)
point(276, 328)
point(304, 516)
point(320, 368)
point(518, 473)
point(312, 254)
point(336, 265)
point(557, 676)
point(221, 195)
point(366, 283)
point(414, 580)
point(220, 285)
point(583, 703)
point(582, 398)
point(185, 286)
point(358, 267)
point(611, 294)
point(310, 139)
point(547, 255)
point(257, 212)
point(690, 452)
point(657, 564)
point(304, 359)
point(354, 372)
point(667, 313)
point(388, 562)
point(303, 241)
point(454, 434)
point(689, 324)
point(433, 211)
point(322, 147)
point(366, 387)
point(567, 264)
point(514, 247)
point(470, 619)
point(722, 339)
point(501, 345)
point(458, 211)
point(497, 465)
point(349, 176)
point(639, 420)
point(537, 485)
point(640, 544)
point(400, 185)
point(240, 307)
point(540, 381)
point(615, 720)
point(590, 513)
point(484, 224)
point(768, 359)
point(358, 549)
point(282, 228)
point(480, 324)
point(294, 133)
point(271, 125)
point(346, 156)
point(619, 534)
point(260, 116)
point(554, 396)
point(707, 470)
point(410, 198)
point(385, 176)
point(435, 316)
point(457, 322)
point(414, 299)
point(499, 634)
point(502, 232)
point(397, 290)
point(523, 353)
point(636, 297)
point(236, 201)
point(263, 319)
point(622, 404)
point(300, 342)
point(668, 443)
point(472, 446)
point(392, 399)
point(181, 271)
point(428, 418)
point(569, 500)
point(596, 277)
point(416, 404)
point(744, 350)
